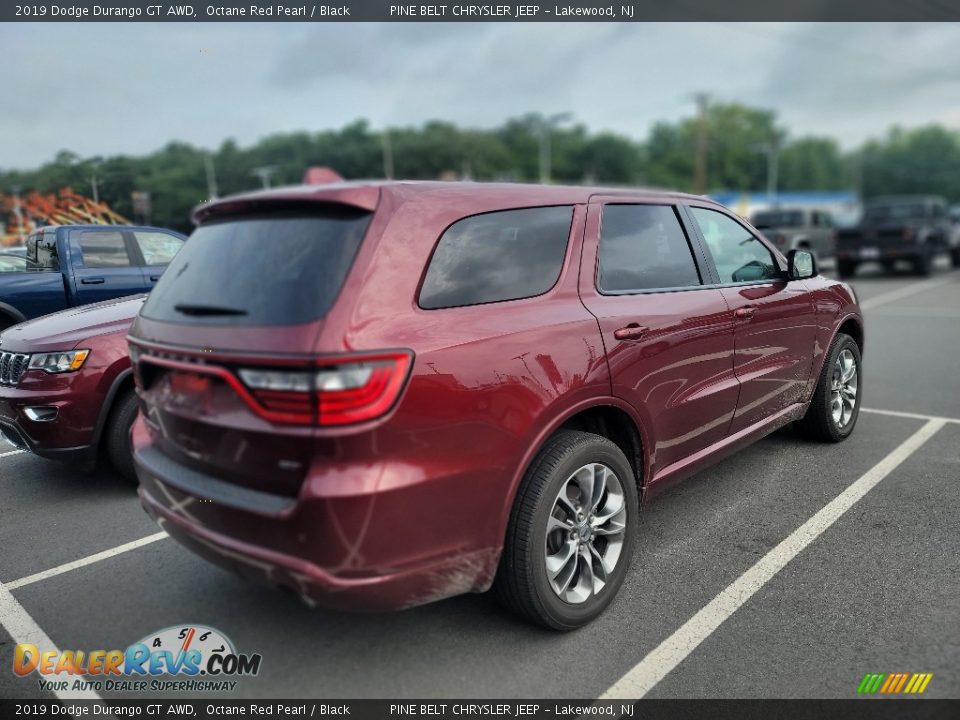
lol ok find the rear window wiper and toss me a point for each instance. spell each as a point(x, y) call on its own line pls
point(207, 310)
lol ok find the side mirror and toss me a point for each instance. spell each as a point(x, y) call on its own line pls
point(801, 265)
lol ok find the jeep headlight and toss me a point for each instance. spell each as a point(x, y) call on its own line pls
point(58, 362)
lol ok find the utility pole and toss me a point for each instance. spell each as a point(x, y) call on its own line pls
point(772, 150)
point(387, 154)
point(264, 172)
point(94, 183)
point(700, 159)
point(211, 177)
point(18, 212)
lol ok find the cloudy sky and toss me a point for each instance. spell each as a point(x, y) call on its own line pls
point(103, 89)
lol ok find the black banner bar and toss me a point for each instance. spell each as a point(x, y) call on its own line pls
point(522, 11)
point(207, 709)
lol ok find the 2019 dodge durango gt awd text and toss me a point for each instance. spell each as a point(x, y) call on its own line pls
point(424, 389)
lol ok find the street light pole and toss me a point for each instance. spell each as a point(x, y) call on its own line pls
point(546, 125)
point(700, 159)
point(387, 149)
point(264, 173)
point(772, 151)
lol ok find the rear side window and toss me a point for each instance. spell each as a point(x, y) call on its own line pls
point(157, 248)
point(260, 270)
point(104, 249)
point(498, 256)
point(42, 251)
point(643, 247)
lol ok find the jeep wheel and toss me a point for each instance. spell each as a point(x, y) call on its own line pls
point(571, 533)
point(116, 434)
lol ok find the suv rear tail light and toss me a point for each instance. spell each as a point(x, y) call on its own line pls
point(780, 239)
point(337, 394)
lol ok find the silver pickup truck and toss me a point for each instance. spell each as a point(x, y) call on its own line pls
point(792, 228)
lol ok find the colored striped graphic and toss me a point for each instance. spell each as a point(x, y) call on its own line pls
point(894, 683)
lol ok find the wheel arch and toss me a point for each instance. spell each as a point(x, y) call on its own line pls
point(853, 327)
point(607, 411)
point(122, 382)
point(850, 324)
point(9, 312)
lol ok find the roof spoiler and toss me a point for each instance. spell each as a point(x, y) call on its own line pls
point(362, 197)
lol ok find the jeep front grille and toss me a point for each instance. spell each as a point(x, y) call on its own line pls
point(12, 366)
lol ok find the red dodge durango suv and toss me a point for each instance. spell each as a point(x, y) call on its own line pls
point(383, 394)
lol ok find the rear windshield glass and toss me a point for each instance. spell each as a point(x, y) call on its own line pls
point(786, 218)
point(259, 270)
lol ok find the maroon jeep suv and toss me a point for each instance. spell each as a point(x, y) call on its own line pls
point(66, 387)
point(384, 394)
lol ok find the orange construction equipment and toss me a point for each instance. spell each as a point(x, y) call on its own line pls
point(63, 208)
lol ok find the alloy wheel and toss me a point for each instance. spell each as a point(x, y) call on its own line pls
point(585, 533)
point(843, 389)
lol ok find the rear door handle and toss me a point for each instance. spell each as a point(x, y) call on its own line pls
point(744, 313)
point(633, 331)
point(154, 277)
point(92, 281)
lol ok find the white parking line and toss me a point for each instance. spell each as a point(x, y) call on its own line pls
point(906, 291)
point(12, 452)
point(23, 629)
point(910, 415)
point(82, 562)
point(640, 679)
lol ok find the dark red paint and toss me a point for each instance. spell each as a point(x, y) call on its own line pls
point(413, 506)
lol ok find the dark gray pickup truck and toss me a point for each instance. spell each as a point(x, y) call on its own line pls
point(914, 228)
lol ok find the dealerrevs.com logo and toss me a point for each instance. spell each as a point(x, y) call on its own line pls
point(200, 658)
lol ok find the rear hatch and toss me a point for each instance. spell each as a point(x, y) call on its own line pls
point(222, 345)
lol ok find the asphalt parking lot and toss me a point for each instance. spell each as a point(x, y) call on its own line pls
point(716, 605)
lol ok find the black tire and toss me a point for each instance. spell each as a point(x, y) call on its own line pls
point(923, 264)
point(955, 257)
point(889, 265)
point(522, 585)
point(846, 268)
point(116, 434)
point(818, 422)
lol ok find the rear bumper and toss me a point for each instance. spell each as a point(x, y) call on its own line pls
point(385, 590)
point(384, 548)
point(867, 252)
